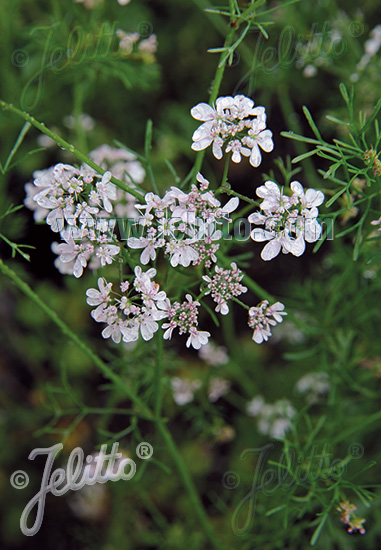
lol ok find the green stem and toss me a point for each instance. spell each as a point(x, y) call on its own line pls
point(189, 485)
point(242, 197)
point(230, 337)
point(68, 146)
point(287, 109)
point(25, 288)
point(218, 79)
point(158, 374)
point(226, 170)
point(245, 306)
point(19, 141)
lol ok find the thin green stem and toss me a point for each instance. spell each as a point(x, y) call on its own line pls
point(147, 152)
point(218, 78)
point(240, 303)
point(22, 134)
point(68, 146)
point(242, 197)
point(228, 328)
point(25, 288)
point(158, 374)
point(189, 485)
point(225, 172)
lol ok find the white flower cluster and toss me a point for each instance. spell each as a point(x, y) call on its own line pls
point(182, 224)
point(314, 386)
point(235, 125)
point(273, 420)
point(183, 389)
point(130, 41)
point(214, 355)
point(223, 285)
point(90, 4)
point(288, 221)
point(83, 120)
point(218, 387)
point(139, 306)
point(371, 47)
point(184, 316)
point(132, 312)
point(262, 317)
point(76, 202)
point(127, 169)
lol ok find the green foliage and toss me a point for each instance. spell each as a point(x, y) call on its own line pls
point(206, 485)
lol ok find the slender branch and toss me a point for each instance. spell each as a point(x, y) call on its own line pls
point(226, 170)
point(25, 288)
point(218, 79)
point(158, 374)
point(68, 146)
point(189, 485)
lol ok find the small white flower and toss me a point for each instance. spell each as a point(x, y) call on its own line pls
point(149, 45)
point(313, 386)
point(255, 406)
point(181, 253)
point(101, 296)
point(106, 191)
point(262, 317)
point(237, 149)
point(149, 248)
point(214, 355)
point(183, 390)
point(273, 420)
point(106, 253)
point(218, 387)
point(197, 338)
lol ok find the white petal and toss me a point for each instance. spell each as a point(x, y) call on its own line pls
point(231, 205)
point(203, 131)
point(202, 144)
point(257, 218)
point(314, 198)
point(255, 157)
point(203, 111)
point(271, 250)
point(133, 242)
point(297, 188)
point(265, 141)
point(295, 246)
point(259, 235)
point(217, 149)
